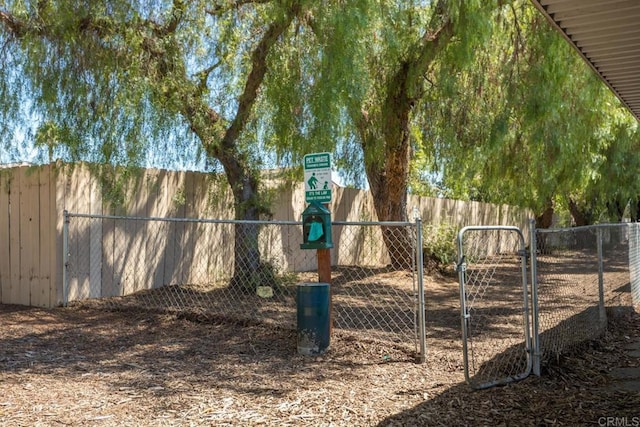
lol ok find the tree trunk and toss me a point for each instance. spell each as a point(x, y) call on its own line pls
point(248, 270)
point(388, 178)
point(616, 210)
point(386, 138)
point(388, 181)
point(246, 253)
point(634, 208)
point(543, 221)
point(580, 216)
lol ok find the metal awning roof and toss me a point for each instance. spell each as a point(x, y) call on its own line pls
point(607, 35)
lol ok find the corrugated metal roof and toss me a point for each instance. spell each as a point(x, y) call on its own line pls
point(607, 35)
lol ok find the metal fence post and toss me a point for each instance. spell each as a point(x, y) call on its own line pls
point(461, 266)
point(602, 314)
point(535, 317)
point(421, 303)
point(65, 258)
point(634, 264)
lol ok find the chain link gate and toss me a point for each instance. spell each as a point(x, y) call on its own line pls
point(494, 299)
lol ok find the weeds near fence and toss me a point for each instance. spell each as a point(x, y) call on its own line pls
point(439, 247)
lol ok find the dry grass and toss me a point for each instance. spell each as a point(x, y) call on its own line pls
point(85, 366)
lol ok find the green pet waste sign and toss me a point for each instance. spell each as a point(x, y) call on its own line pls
point(317, 177)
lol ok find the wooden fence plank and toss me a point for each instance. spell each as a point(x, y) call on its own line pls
point(137, 253)
point(170, 183)
point(189, 232)
point(54, 253)
point(120, 272)
point(5, 260)
point(13, 294)
point(155, 231)
point(109, 285)
point(58, 191)
point(202, 233)
point(176, 193)
point(81, 203)
point(29, 239)
point(95, 238)
point(41, 291)
point(71, 205)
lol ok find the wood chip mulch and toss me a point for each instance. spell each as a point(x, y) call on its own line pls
point(88, 367)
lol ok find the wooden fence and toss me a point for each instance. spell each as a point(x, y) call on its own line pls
point(32, 200)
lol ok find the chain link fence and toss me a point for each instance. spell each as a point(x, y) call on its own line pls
point(582, 273)
point(245, 272)
point(580, 277)
point(634, 269)
point(494, 305)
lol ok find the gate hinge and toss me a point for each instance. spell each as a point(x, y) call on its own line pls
point(461, 265)
point(524, 253)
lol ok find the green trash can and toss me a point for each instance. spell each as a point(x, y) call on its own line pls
point(313, 318)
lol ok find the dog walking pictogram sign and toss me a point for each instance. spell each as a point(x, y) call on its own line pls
point(317, 177)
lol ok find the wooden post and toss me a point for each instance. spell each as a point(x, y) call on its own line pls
point(324, 276)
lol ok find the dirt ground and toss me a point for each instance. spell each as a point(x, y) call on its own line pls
point(84, 366)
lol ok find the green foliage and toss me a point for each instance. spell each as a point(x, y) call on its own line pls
point(439, 247)
point(179, 198)
point(117, 184)
point(489, 101)
point(524, 121)
point(80, 68)
point(320, 74)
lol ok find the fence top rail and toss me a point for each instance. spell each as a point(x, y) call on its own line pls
point(583, 228)
point(491, 228)
point(231, 221)
point(382, 223)
point(167, 219)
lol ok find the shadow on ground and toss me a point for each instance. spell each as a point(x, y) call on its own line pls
point(576, 388)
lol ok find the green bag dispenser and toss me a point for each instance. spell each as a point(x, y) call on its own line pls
point(316, 227)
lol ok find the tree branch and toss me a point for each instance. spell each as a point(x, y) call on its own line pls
point(430, 46)
point(256, 76)
point(177, 10)
point(203, 76)
point(16, 27)
point(219, 9)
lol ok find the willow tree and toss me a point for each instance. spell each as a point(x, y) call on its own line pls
point(366, 81)
point(367, 69)
point(523, 124)
point(612, 190)
point(113, 80)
